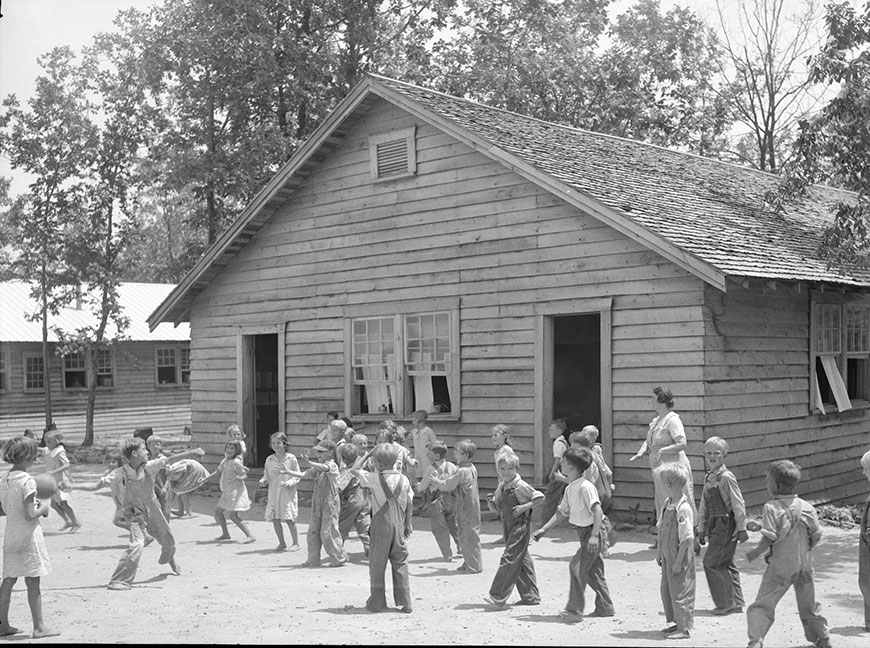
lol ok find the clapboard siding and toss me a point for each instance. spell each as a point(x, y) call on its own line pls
point(135, 384)
point(464, 228)
point(757, 377)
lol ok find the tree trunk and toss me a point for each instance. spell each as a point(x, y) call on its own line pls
point(46, 376)
point(91, 382)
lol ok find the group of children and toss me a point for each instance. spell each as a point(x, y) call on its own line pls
point(373, 490)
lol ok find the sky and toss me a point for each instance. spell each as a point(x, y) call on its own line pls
point(30, 28)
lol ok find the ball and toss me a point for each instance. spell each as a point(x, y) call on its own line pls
point(46, 486)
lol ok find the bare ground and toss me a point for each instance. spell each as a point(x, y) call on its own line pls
point(232, 593)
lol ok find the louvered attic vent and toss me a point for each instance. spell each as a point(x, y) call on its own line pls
point(393, 154)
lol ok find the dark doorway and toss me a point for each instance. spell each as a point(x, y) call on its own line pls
point(266, 419)
point(577, 370)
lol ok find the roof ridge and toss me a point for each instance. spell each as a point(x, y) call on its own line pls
point(584, 131)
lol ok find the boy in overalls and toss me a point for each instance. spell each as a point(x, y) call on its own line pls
point(392, 504)
point(463, 484)
point(676, 557)
point(143, 512)
point(354, 507)
point(722, 521)
point(790, 529)
point(514, 500)
point(442, 506)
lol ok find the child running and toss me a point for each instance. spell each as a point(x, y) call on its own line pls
point(183, 477)
point(325, 506)
point(676, 555)
point(722, 522)
point(143, 512)
point(354, 509)
point(57, 465)
point(442, 506)
point(234, 494)
point(789, 531)
point(581, 507)
point(155, 451)
point(392, 502)
point(24, 551)
point(282, 504)
point(514, 500)
point(558, 432)
point(463, 484)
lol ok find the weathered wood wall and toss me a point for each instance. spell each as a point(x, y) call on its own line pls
point(756, 376)
point(134, 383)
point(465, 227)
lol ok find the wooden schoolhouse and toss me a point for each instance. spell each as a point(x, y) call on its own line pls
point(142, 382)
point(422, 251)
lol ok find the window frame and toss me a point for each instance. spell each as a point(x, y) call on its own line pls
point(83, 370)
point(403, 405)
point(4, 368)
point(409, 135)
point(113, 370)
point(177, 373)
point(836, 371)
point(24, 372)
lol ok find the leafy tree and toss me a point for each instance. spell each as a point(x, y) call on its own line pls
point(51, 140)
point(643, 76)
point(834, 144)
point(767, 88)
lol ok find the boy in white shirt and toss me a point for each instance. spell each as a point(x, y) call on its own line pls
point(581, 506)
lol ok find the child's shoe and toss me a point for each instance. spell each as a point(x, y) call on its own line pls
point(755, 644)
point(734, 609)
point(823, 643)
point(679, 634)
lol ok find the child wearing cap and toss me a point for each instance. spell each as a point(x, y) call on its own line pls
point(325, 506)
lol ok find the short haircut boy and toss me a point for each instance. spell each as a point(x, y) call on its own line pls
point(560, 423)
point(20, 450)
point(578, 438)
point(438, 448)
point(673, 472)
point(359, 438)
point(385, 455)
point(421, 414)
point(579, 458)
point(590, 434)
point(466, 447)
point(130, 446)
point(717, 442)
point(865, 459)
point(510, 460)
point(785, 473)
point(348, 452)
point(278, 436)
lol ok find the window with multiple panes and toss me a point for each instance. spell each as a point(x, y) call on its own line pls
point(393, 154)
point(74, 374)
point(403, 363)
point(172, 365)
point(105, 368)
point(34, 379)
point(840, 367)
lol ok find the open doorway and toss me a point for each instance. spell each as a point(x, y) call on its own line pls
point(577, 370)
point(261, 398)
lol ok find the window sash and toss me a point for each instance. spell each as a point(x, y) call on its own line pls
point(34, 379)
point(840, 340)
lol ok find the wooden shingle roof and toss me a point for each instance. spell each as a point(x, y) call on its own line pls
point(702, 214)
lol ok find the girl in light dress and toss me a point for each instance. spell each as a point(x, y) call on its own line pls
point(57, 465)
point(234, 493)
point(501, 439)
point(24, 551)
point(281, 502)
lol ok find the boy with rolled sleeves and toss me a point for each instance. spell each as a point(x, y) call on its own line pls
point(581, 506)
point(789, 531)
point(722, 523)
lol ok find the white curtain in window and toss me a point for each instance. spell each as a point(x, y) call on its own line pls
point(817, 395)
point(423, 395)
point(835, 380)
point(377, 392)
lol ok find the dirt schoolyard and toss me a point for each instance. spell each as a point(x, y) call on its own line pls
point(233, 593)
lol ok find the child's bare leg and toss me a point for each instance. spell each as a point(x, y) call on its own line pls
point(295, 537)
point(34, 599)
point(74, 523)
point(239, 522)
point(59, 510)
point(279, 531)
point(184, 505)
point(5, 598)
point(222, 520)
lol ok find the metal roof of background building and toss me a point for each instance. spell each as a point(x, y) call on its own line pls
point(138, 300)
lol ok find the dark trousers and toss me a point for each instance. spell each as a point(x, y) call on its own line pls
point(864, 578)
point(587, 568)
point(723, 578)
point(388, 544)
